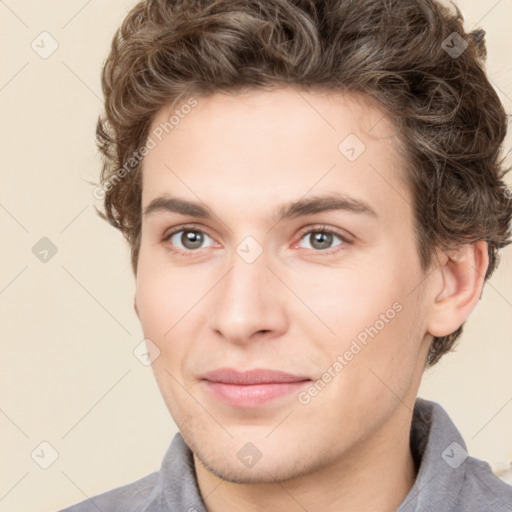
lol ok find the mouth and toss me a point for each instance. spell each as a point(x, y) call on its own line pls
point(251, 388)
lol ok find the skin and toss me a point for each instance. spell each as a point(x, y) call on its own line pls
point(296, 307)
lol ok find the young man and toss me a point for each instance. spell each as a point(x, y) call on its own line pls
point(314, 197)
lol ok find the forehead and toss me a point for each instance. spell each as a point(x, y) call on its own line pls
point(261, 147)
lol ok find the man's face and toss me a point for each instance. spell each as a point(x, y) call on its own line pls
point(243, 290)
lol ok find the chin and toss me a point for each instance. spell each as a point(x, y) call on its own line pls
point(272, 467)
point(254, 475)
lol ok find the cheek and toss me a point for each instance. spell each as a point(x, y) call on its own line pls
point(351, 300)
point(171, 302)
point(160, 309)
point(163, 292)
point(388, 361)
point(163, 302)
point(376, 327)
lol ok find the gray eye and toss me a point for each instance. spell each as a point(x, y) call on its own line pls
point(188, 238)
point(321, 240)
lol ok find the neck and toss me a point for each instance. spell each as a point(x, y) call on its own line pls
point(376, 476)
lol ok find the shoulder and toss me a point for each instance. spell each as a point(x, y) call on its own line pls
point(449, 479)
point(482, 490)
point(139, 496)
point(172, 487)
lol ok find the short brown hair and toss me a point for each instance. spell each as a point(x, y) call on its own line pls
point(450, 119)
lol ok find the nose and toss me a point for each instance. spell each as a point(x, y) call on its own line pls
point(248, 303)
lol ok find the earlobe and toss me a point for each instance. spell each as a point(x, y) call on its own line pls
point(462, 273)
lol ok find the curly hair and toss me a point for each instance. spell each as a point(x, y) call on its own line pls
point(413, 57)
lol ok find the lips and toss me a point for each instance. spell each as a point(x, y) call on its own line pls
point(256, 376)
point(252, 388)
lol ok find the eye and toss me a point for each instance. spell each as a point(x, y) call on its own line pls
point(321, 239)
point(186, 239)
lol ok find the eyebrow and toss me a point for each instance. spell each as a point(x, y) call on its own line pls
point(291, 210)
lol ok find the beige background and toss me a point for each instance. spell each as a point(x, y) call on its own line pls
point(68, 374)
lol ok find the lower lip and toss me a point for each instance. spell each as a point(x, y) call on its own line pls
point(252, 395)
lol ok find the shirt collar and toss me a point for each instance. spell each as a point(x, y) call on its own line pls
point(439, 450)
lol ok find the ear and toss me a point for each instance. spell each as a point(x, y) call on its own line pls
point(462, 272)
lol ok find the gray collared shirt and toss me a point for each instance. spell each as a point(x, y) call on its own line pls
point(448, 479)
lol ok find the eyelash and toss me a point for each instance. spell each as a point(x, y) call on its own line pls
point(316, 229)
